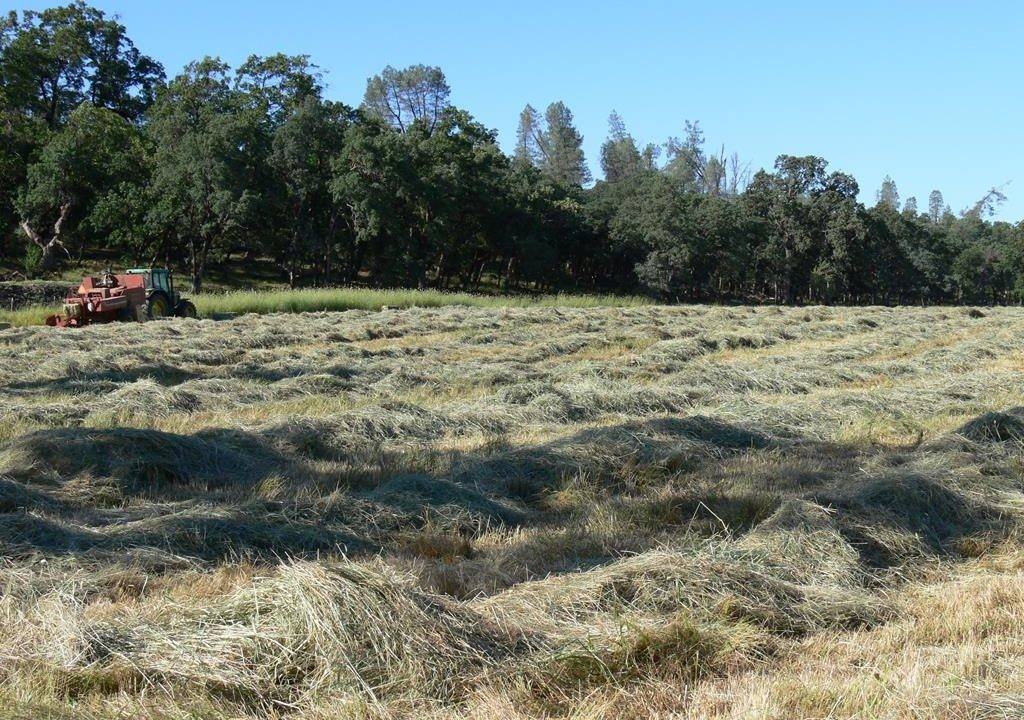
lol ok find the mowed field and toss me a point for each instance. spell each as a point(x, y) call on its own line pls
point(633, 512)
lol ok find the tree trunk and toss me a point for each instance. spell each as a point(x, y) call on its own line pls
point(439, 274)
point(49, 246)
point(197, 264)
point(478, 275)
point(48, 259)
point(509, 274)
point(329, 248)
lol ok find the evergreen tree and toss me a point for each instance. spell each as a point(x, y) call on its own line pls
point(528, 137)
point(686, 158)
point(936, 206)
point(562, 148)
point(620, 157)
point(887, 195)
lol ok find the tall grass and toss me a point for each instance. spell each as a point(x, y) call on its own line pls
point(337, 299)
point(32, 315)
point(327, 299)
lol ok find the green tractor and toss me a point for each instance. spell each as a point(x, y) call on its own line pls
point(162, 300)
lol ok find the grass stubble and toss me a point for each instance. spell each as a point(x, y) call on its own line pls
point(538, 511)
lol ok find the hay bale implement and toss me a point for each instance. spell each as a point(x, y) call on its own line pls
point(137, 295)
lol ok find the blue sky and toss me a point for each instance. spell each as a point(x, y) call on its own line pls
point(928, 92)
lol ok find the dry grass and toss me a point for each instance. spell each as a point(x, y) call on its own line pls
point(614, 512)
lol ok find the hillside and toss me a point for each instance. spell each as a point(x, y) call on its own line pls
point(628, 512)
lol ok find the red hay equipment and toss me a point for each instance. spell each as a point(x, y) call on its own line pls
point(104, 299)
point(138, 295)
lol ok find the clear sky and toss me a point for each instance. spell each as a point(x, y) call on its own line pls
point(930, 92)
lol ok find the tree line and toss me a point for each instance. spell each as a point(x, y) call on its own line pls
point(101, 152)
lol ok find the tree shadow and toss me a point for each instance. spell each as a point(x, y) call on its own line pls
point(89, 382)
point(229, 493)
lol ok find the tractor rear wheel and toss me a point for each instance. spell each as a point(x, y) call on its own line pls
point(158, 306)
point(186, 309)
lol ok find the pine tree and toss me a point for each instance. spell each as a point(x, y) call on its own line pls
point(528, 137)
point(936, 205)
point(562, 148)
point(888, 195)
point(620, 157)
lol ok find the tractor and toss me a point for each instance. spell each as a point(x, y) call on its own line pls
point(138, 295)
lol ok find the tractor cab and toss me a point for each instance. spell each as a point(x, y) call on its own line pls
point(162, 300)
point(156, 280)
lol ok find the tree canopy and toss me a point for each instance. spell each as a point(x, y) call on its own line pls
point(101, 154)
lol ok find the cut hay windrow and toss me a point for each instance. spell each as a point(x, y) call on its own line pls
point(509, 510)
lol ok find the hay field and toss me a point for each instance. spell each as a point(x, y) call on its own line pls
point(635, 512)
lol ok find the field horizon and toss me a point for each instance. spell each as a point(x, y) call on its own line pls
point(540, 510)
point(226, 303)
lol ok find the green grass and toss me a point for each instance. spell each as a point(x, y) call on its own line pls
point(336, 299)
point(32, 315)
point(314, 300)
